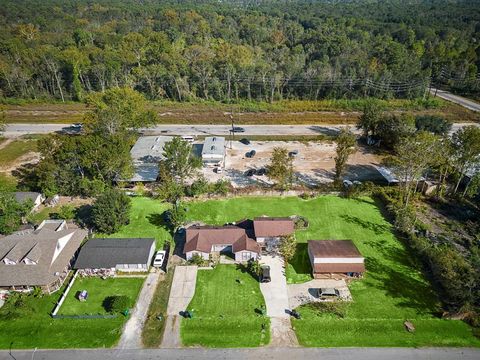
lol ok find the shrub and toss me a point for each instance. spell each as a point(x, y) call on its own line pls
point(221, 187)
point(196, 259)
point(198, 187)
point(65, 212)
point(301, 222)
point(116, 304)
point(110, 211)
point(337, 308)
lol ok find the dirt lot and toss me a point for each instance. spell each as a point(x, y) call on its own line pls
point(314, 163)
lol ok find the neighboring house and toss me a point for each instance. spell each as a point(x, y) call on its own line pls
point(37, 198)
point(127, 255)
point(146, 154)
point(40, 258)
point(204, 240)
point(213, 151)
point(269, 230)
point(339, 257)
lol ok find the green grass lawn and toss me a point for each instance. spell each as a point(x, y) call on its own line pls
point(98, 290)
point(34, 327)
point(12, 151)
point(146, 220)
point(224, 308)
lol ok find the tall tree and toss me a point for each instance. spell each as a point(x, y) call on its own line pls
point(466, 151)
point(346, 142)
point(118, 110)
point(370, 117)
point(287, 248)
point(110, 211)
point(179, 160)
point(281, 168)
point(12, 212)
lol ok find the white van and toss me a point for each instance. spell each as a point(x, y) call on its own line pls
point(188, 138)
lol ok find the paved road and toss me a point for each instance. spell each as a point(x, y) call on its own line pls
point(466, 103)
point(14, 130)
point(132, 331)
point(259, 353)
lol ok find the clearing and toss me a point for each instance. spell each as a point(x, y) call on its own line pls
point(99, 289)
point(226, 310)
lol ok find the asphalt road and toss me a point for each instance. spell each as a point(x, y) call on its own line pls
point(466, 103)
point(14, 130)
point(259, 353)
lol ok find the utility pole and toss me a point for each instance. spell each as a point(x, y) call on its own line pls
point(232, 132)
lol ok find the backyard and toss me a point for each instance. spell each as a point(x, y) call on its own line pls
point(226, 310)
point(99, 289)
point(30, 325)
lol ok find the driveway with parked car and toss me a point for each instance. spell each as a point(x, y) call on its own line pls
point(316, 291)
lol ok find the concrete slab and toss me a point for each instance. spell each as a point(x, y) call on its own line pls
point(299, 294)
point(183, 289)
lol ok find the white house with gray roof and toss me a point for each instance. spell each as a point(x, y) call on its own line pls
point(213, 151)
point(146, 154)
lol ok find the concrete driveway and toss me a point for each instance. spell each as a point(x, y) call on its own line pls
point(299, 294)
point(276, 299)
point(181, 293)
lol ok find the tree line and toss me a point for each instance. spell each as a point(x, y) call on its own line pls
point(259, 50)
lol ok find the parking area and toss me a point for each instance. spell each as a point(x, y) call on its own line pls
point(299, 294)
point(314, 162)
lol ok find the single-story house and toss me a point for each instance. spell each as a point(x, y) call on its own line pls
point(39, 258)
point(36, 198)
point(330, 257)
point(146, 154)
point(271, 229)
point(213, 151)
point(204, 240)
point(127, 255)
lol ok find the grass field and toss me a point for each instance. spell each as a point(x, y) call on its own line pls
point(224, 308)
point(146, 220)
point(15, 149)
point(34, 327)
point(98, 290)
point(7, 182)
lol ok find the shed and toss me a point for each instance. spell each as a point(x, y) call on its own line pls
point(335, 257)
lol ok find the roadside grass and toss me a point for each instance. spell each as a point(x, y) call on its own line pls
point(34, 327)
point(225, 310)
point(99, 289)
point(17, 148)
point(146, 220)
point(154, 327)
point(7, 182)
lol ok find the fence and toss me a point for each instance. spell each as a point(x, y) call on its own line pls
point(64, 295)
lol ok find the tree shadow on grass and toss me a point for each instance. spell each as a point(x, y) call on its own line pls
point(83, 216)
point(301, 262)
point(378, 229)
point(160, 221)
point(403, 285)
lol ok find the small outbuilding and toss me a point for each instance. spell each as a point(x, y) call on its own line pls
point(36, 198)
point(335, 257)
point(271, 229)
point(126, 255)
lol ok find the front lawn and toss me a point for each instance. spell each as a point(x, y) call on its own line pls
point(31, 326)
point(226, 310)
point(98, 289)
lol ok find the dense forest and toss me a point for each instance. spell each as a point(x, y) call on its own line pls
point(226, 50)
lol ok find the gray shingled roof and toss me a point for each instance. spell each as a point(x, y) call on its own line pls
point(21, 196)
point(38, 246)
point(107, 253)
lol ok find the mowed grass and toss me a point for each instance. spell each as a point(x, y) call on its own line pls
point(15, 149)
point(99, 289)
point(146, 220)
point(36, 328)
point(392, 291)
point(225, 310)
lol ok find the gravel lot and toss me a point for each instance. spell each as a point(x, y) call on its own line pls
point(314, 163)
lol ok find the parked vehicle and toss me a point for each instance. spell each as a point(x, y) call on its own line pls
point(265, 274)
point(347, 183)
point(250, 172)
point(159, 259)
point(245, 141)
point(261, 171)
point(218, 170)
point(188, 138)
point(77, 126)
point(328, 293)
point(293, 153)
point(250, 154)
point(238, 129)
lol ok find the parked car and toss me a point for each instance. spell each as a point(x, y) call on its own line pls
point(250, 154)
point(347, 183)
point(328, 294)
point(188, 138)
point(159, 259)
point(265, 274)
point(250, 172)
point(238, 129)
point(245, 141)
point(293, 153)
point(218, 170)
point(261, 171)
point(77, 126)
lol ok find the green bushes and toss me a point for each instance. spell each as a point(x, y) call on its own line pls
point(336, 308)
point(116, 304)
point(110, 211)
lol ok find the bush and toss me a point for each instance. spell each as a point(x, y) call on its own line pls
point(196, 259)
point(337, 308)
point(221, 187)
point(198, 187)
point(301, 222)
point(116, 304)
point(65, 212)
point(110, 211)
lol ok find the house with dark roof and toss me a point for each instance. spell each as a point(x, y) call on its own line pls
point(125, 255)
point(204, 240)
point(40, 258)
point(236, 239)
point(335, 257)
